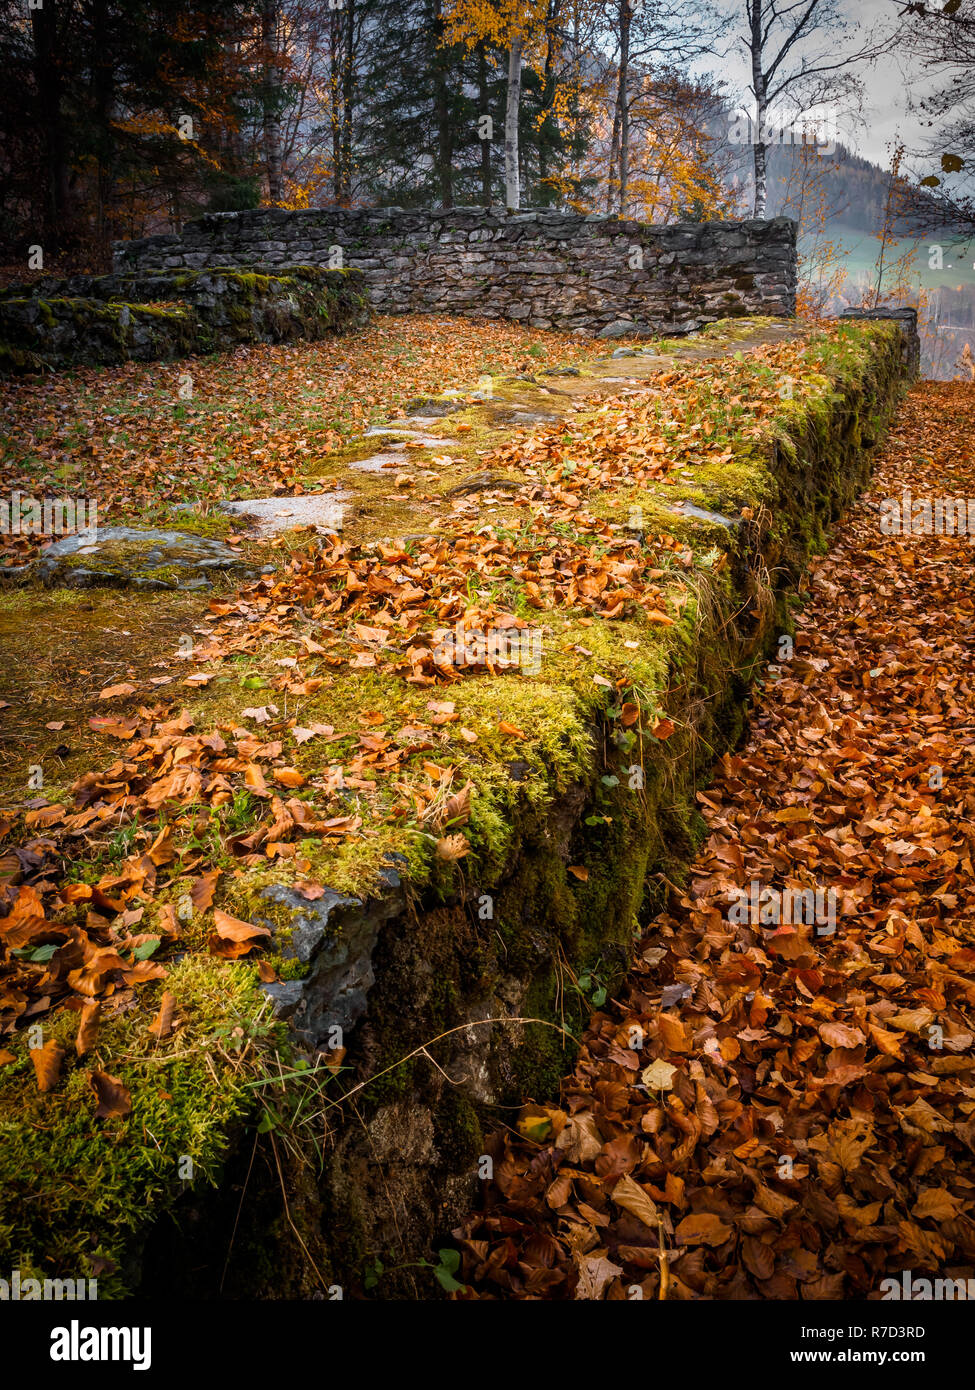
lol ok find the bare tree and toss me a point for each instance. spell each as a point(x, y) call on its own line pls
point(790, 48)
point(651, 37)
point(941, 40)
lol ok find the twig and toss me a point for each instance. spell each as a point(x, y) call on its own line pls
point(664, 1258)
point(460, 1027)
point(240, 1207)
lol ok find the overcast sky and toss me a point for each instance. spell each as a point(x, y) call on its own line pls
point(892, 83)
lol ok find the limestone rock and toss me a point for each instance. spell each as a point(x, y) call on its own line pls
point(127, 557)
point(335, 936)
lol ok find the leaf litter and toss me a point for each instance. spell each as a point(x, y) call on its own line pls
point(772, 1110)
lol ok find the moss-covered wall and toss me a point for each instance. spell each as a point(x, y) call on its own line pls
point(103, 320)
point(574, 854)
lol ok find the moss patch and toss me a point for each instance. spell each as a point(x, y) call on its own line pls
point(76, 1193)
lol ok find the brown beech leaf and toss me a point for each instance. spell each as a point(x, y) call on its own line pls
point(162, 1025)
point(630, 1195)
point(288, 777)
point(703, 1229)
point(113, 1098)
point(232, 937)
point(841, 1035)
point(937, 1204)
point(202, 890)
point(112, 691)
point(457, 808)
point(166, 922)
point(88, 1022)
point(452, 847)
point(47, 1065)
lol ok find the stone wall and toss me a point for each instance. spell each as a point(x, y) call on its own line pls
point(907, 318)
point(146, 316)
point(550, 269)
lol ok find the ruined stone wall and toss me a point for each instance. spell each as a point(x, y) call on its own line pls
point(907, 318)
point(594, 274)
point(146, 317)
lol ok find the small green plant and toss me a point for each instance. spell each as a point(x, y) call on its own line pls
point(596, 992)
point(444, 1271)
point(119, 846)
point(242, 811)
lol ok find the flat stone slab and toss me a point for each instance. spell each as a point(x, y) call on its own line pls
point(432, 407)
point(128, 557)
point(406, 424)
point(271, 515)
point(375, 463)
point(488, 481)
point(702, 514)
point(431, 441)
point(502, 415)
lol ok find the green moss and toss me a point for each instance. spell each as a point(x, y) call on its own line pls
point(76, 1193)
point(335, 462)
point(214, 525)
point(306, 303)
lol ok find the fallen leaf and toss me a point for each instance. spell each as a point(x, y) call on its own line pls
point(114, 1099)
point(88, 1023)
point(47, 1065)
point(162, 1025)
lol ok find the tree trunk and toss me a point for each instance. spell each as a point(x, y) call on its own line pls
point(614, 149)
point(272, 115)
point(102, 100)
point(47, 69)
point(335, 82)
point(624, 103)
point(761, 180)
point(547, 97)
point(482, 81)
point(348, 101)
point(441, 102)
point(758, 82)
point(512, 186)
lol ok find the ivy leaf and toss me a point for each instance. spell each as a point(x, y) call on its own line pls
point(446, 1270)
point(147, 948)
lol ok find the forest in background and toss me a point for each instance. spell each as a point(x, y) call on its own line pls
point(125, 117)
point(122, 119)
